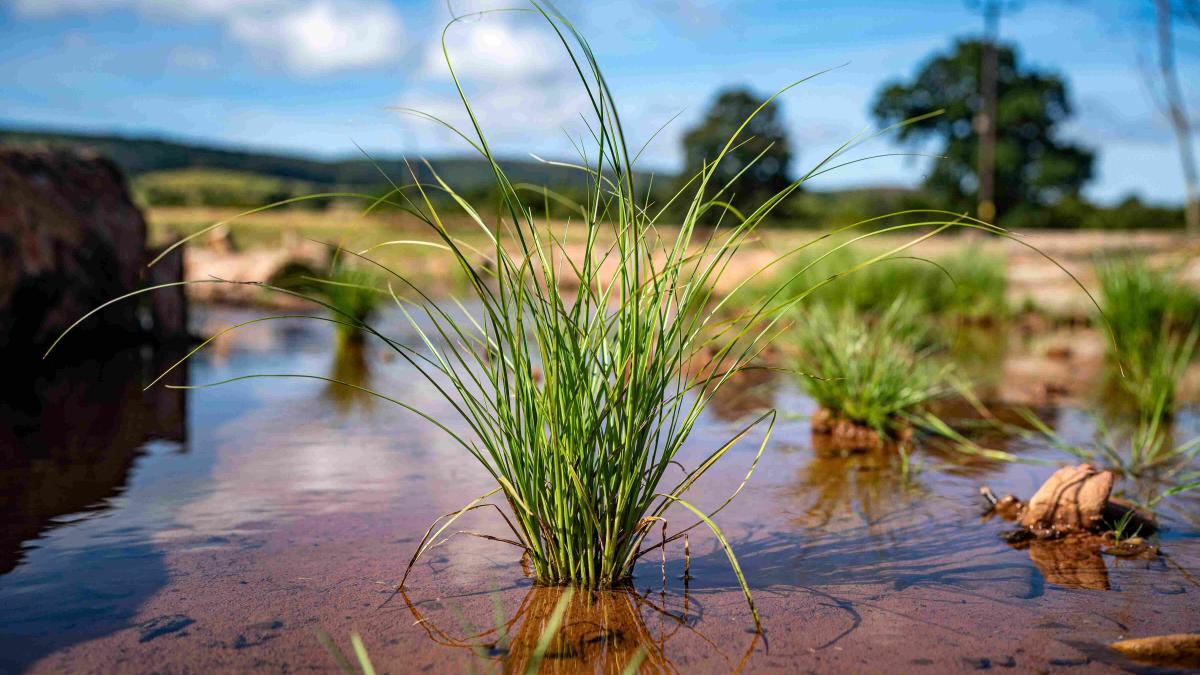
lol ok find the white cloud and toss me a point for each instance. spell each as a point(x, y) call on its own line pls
point(496, 47)
point(326, 35)
point(515, 116)
point(308, 37)
point(518, 79)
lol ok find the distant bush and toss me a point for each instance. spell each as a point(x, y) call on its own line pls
point(814, 209)
point(1076, 214)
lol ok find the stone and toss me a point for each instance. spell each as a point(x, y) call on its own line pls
point(71, 239)
point(1072, 500)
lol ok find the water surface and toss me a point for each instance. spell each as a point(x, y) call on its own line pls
point(219, 529)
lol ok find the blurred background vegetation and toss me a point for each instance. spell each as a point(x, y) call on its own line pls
point(1039, 176)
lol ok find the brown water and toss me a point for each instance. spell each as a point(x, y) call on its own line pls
point(220, 529)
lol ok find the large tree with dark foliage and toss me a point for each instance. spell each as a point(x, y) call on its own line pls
point(1034, 166)
point(764, 135)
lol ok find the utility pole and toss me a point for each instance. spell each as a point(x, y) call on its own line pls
point(1177, 112)
point(985, 119)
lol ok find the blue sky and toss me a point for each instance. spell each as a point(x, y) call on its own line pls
point(318, 76)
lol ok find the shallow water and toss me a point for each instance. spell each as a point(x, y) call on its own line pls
point(220, 529)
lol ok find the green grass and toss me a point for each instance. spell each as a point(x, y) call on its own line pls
point(1120, 529)
point(870, 370)
point(968, 284)
point(352, 291)
point(1146, 451)
point(214, 187)
point(589, 457)
point(1155, 320)
point(1140, 300)
point(1153, 375)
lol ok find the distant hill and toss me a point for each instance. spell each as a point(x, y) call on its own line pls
point(177, 173)
point(138, 156)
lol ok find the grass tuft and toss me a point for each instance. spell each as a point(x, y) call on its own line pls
point(1155, 321)
point(353, 292)
point(871, 371)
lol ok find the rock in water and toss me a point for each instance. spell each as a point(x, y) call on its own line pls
point(1181, 650)
point(1072, 500)
point(70, 240)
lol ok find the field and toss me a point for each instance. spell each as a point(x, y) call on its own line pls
point(1034, 280)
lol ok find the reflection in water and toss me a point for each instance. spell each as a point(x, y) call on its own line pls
point(69, 434)
point(601, 631)
point(1074, 562)
point(350, 367)
point(866, 485)
point(993, 434)
point(278, 488)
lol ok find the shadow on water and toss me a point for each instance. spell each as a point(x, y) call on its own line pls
point(601, 631)
point(70, 434)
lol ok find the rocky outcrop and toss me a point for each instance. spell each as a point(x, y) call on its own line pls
point(70, 240)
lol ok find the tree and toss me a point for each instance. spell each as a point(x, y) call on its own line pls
point(764, 135)
point(1033, 166)
point(1172, 102)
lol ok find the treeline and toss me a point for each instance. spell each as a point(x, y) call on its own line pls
point(168, 173)
point(144, 156)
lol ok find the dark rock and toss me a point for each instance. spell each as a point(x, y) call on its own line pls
point(1137, 519)
point(70, 240)
point(168, 306)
